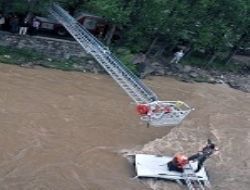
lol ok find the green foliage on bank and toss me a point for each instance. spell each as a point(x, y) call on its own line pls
point(27, 56)
point(214, 27)
point(126, 56)
point(216, 65)
point(18, 56)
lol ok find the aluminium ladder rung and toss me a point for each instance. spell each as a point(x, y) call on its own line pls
point(193, 179)
point(129, 82)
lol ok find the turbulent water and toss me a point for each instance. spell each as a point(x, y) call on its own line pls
point(66, 130)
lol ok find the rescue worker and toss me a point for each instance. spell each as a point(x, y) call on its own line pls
point(177, 56)
point(204, 154)
point(178, 163)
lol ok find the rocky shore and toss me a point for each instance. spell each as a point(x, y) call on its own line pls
point(69, 55)
point(187, 73)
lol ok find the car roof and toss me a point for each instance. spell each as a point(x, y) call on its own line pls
point(46, 19)
point(78, 15)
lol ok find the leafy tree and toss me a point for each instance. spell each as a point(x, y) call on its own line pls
point(115, 11)
point(215, 27)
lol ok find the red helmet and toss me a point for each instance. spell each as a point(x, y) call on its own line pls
point(142, 109)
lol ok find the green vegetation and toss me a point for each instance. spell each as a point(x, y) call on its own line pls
point(217, 28)
point(126, 57)
point(216, 65)
point(26, 56)
point(18, 56)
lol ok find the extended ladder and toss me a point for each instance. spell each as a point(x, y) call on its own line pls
point(132, 85)
point(191, 179)
point(126, 79)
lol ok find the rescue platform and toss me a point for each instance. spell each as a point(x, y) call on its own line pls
point(155, 166)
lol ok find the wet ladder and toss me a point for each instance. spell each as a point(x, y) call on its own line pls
point(135, 88)
point(191, 179)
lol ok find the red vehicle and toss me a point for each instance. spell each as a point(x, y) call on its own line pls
point(95, 24)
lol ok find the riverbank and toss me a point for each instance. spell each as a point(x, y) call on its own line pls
point(187, 73)
point(32, 51)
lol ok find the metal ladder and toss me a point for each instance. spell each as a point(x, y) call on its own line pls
point(191, 179)
point(135, 88)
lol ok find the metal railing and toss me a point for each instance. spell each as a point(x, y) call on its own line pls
point(133, 86)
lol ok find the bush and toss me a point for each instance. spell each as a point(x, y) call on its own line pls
point(218, 64)
point(126, 57)
point(23, 56)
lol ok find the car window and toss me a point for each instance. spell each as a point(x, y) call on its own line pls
point(47, 26)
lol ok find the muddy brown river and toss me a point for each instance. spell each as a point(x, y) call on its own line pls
point(65, 130)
